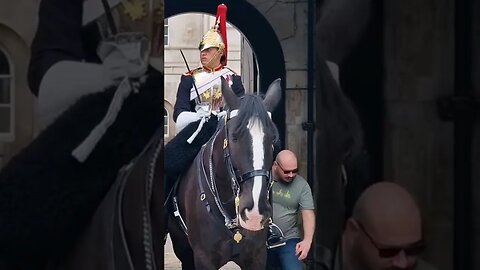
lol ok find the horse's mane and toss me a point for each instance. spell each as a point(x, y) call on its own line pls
point(252, 106)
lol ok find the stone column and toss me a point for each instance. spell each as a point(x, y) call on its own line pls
point(290, 22)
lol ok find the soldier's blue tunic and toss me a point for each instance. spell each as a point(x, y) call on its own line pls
point(183, 102)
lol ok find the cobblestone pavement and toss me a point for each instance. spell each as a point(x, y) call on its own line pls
point(172, 263)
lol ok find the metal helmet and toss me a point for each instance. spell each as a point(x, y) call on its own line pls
point(216, 37)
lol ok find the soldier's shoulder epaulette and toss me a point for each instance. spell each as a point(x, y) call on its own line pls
point(193, 71)
point(231, 70)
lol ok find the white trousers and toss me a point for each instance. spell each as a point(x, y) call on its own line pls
point(64, 83)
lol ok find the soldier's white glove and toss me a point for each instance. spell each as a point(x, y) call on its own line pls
point(203, 109)
point(124, 55)
point(116, 67)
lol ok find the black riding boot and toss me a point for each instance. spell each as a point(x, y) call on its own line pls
point(179, 155)
point(275, 237)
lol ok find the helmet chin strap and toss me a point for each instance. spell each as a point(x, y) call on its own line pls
point(216, 55)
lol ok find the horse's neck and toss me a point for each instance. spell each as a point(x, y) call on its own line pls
point(214, 161)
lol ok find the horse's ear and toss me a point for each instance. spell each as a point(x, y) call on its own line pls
point(273, 95)
point(232, 101)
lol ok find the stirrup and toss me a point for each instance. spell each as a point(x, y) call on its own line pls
point(276, 238)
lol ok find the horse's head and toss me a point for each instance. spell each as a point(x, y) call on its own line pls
point(250, 134)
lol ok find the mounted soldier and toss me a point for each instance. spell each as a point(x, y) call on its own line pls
point(87, 46)
point(199, 101)
point(96, 69)
point(199, 106)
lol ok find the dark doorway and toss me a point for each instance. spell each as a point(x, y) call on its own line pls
point(362, 80)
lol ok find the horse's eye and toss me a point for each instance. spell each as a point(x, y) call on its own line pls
point(235, 139)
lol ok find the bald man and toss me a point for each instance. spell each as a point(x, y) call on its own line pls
point(384, 232)
point(291, 194)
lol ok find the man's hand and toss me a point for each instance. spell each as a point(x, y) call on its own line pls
point(302, 248)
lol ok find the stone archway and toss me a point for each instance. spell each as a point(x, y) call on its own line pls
point(260, 34)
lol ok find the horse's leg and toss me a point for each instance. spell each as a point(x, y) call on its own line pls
point(252, 250)
point(254, 261)
point(204, 261)
point(181, 247)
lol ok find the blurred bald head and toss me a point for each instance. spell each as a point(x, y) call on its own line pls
point(389, 212)
point(384, 217)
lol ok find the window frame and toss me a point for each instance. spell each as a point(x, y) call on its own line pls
point(10, 135)
point(166, 34)
point(166, 123)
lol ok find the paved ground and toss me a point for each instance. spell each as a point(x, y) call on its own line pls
point(172, 263)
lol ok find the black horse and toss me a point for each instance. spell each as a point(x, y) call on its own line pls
point(126, 230)
point(223, 198)
point(48, 198)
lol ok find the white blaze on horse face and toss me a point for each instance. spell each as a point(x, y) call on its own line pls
point(254, 218)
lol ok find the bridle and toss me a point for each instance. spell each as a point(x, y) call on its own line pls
point(235, 179)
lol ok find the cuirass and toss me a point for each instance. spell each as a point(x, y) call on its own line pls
point(212, 93)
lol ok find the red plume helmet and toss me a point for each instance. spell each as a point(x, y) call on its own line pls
point(221, 22)
point(217, 36)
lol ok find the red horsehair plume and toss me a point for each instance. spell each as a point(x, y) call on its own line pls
point(221, 25)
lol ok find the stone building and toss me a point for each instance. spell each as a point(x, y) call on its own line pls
point(404, 63)
point(184, 32)
point(17, 104)
point(270, 44)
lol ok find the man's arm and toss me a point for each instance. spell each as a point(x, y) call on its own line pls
point(182, 103)
point(237, 85)
point(308, 217)
point(303, 247)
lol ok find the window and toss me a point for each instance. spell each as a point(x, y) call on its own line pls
point(166, 129)
point(6, 97)
point(165, 33)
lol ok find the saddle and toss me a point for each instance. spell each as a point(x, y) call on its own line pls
point(181, 155)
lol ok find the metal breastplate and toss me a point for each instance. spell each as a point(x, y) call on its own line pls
point(213, 94)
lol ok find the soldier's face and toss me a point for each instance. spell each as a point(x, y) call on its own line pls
point(207, 57)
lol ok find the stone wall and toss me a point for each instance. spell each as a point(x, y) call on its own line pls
point(17, 27)
point(418, 149)
point(289, 19)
